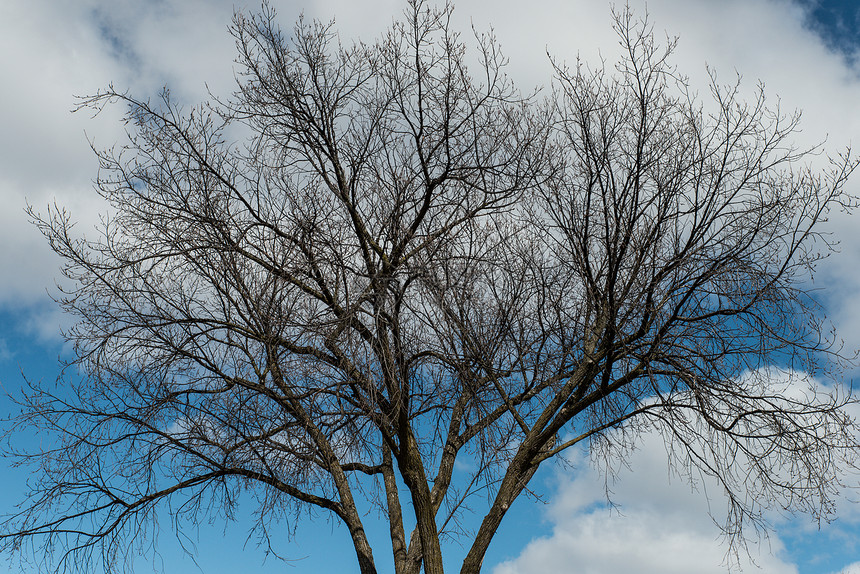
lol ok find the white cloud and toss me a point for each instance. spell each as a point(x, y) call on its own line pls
point(5, 353)
point(43, 150)
point(659, 525)
point(68, 48)
point(850, 569)
point(184, 44)
point(660, 522)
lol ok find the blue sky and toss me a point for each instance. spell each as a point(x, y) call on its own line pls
point(837, 23)
point(805, 52)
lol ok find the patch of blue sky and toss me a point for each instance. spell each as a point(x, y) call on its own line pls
point(309, 542)
point(837, 22)
point(315, 543)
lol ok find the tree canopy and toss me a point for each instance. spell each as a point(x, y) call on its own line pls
point(370, 262)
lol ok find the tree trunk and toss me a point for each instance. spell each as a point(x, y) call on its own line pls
point(412, 470)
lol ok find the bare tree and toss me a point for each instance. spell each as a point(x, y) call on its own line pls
point(405, 265)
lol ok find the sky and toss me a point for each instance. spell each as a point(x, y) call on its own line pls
point(804, 52)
